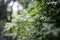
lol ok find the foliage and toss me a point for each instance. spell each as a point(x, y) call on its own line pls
point(36, 22)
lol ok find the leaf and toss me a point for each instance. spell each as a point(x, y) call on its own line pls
point(23, 1)
point(20, 28)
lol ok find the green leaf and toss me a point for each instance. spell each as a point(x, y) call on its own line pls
point(23, 1)
point(13, 29)
point(20, 28)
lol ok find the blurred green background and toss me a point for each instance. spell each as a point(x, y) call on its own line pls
point(29, 19)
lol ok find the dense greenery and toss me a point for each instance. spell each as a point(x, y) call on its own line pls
point(38, 21)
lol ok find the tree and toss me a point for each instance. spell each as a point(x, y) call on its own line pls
point(39, 21)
